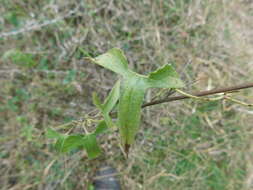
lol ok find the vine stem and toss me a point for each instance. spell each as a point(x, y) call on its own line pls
point(201, 93)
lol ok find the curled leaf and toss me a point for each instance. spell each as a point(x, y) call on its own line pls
point(112, 98)
point(113, 60)
point(129, 110)
point(91, 146)
point(69, 143)
point(109, 103)
point(164, 77)
point(52, 134)
point(101, 128)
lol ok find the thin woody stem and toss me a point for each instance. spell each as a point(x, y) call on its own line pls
point(193, 95)
point(199, 94)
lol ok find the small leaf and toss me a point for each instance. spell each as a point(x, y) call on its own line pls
point(112, 98)
point(110, 102)
point(96, 101)
point(164, 77)
point(101, 128)
point(70, 143)
point(91, 146)
point(60, 143)
point(52, 134)
point(113, 60)
point(108, 120)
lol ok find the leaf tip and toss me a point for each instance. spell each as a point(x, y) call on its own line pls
point(127, 148)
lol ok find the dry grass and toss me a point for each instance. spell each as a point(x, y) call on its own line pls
point(186, 145)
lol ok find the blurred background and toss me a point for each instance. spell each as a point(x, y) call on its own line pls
point(188, 144)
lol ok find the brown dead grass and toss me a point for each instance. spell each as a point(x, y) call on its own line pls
point(214, 39)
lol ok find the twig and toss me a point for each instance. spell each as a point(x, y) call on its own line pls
point(36, 26)
point(238, 102)
point(199, 94)
point(12, 71)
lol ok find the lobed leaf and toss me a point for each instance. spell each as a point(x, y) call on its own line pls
point(69, 143)
point(164, 77)
point(52, 134)
point(91, 146)
point(60, 143)
point(72, 142)
point(133, 91)
point(113, 60)
point(101, 128)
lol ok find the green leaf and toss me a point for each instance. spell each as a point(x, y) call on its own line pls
point(91, 146)
point(108, 120)
point(52, 134)
point(101, 128)
point(113, 60)
point(129, 112)
point(164, 77)
point(67, 143)
point(96, 101)
point(60, 143)
point(109, 103)
point(133, 88)
point(70, 143)
point(112, 98)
